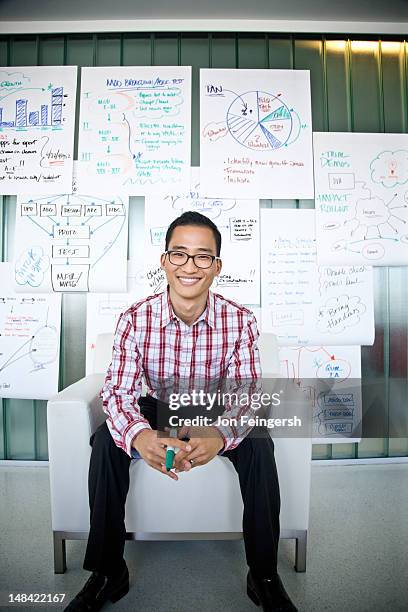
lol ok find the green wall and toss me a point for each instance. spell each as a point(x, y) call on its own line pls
point(357, 85)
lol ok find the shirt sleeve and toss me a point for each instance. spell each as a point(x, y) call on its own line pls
point(123, 387)
point(244, 376)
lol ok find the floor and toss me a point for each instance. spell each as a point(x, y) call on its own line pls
point(357, 551)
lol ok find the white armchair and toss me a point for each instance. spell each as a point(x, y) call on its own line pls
point(75, 413)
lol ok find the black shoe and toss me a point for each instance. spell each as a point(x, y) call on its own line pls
point(97, 590)
point(269, 593)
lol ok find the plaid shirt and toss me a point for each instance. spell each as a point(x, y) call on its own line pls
point(153, 344)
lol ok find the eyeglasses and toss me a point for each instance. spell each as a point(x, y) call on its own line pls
point(179, 258)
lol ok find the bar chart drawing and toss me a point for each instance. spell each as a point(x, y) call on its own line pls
point(20, 120)
point(37, 118)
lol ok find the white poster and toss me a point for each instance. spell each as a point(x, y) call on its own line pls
point(361, 198)
point(256, 134)
point(37, 119)
point(71, 242)
point(238, 223)
point(103, 309)
point(328, 378)
point(29, 341)
point(304, 304)
point(134, 129)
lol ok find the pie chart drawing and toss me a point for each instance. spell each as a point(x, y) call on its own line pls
point(260, 121)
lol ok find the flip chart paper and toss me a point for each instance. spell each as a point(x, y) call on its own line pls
point(256, 134)
point(37, 118)
point(361, 198)
point(29, 341)
point(304, 304)
point(328, 378)
point(134, 129)
point(71, 242)
point(238, 222)
point(103, 309)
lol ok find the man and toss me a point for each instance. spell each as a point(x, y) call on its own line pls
point(186, 331)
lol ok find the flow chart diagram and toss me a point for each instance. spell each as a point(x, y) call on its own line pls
point(37, 113)
point(256, 138)
point(329, 379)
point(29, 341)
point(362, 198)
point(135, 129)
point(71, 243)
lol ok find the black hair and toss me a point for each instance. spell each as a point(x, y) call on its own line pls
point(191, 217)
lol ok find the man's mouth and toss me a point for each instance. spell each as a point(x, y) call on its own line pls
point(188, 280)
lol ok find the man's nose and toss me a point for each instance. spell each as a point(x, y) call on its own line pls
point(189, 266)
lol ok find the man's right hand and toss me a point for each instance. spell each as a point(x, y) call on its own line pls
point(152, 449)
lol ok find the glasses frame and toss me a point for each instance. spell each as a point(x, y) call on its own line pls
point(213, 258)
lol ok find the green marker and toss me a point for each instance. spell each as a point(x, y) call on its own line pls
point(170, 451)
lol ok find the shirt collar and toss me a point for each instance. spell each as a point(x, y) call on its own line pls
point(167, 312)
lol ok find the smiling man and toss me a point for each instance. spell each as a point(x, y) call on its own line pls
point(186, 332)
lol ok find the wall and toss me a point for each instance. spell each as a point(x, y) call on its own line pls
point(356, 86)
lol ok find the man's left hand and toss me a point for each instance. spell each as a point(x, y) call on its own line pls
point(205, 442)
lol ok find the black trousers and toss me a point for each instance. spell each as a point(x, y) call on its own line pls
point(108, 483)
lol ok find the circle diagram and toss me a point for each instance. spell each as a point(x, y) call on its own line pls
point(260, 121)
point(338, 369)
point(44, 346)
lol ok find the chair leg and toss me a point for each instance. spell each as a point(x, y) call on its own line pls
point(60, 558)
point(300, 555)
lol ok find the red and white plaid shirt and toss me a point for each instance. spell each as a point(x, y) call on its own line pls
point(153, 344)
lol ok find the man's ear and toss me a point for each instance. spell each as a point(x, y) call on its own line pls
point(219, 266)
point(162, 260)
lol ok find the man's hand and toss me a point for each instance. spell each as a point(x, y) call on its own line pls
point(152, 449)
point(205, 442)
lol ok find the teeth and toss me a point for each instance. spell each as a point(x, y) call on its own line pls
point(188, 280)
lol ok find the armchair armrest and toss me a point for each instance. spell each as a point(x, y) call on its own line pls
point(72, 416)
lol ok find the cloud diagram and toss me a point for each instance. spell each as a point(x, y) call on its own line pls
point(375, 218)
point(370, 214)
point(44, 346)
point(390, 168)
point(10, 82)
point(215, 130)
point(338, 313)
point(209, 207)
point(31, 266)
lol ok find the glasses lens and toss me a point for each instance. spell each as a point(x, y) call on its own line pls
point(203, 261)
point(178, 258)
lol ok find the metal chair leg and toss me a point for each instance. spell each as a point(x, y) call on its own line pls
point(60, 558)
point(300, 554)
